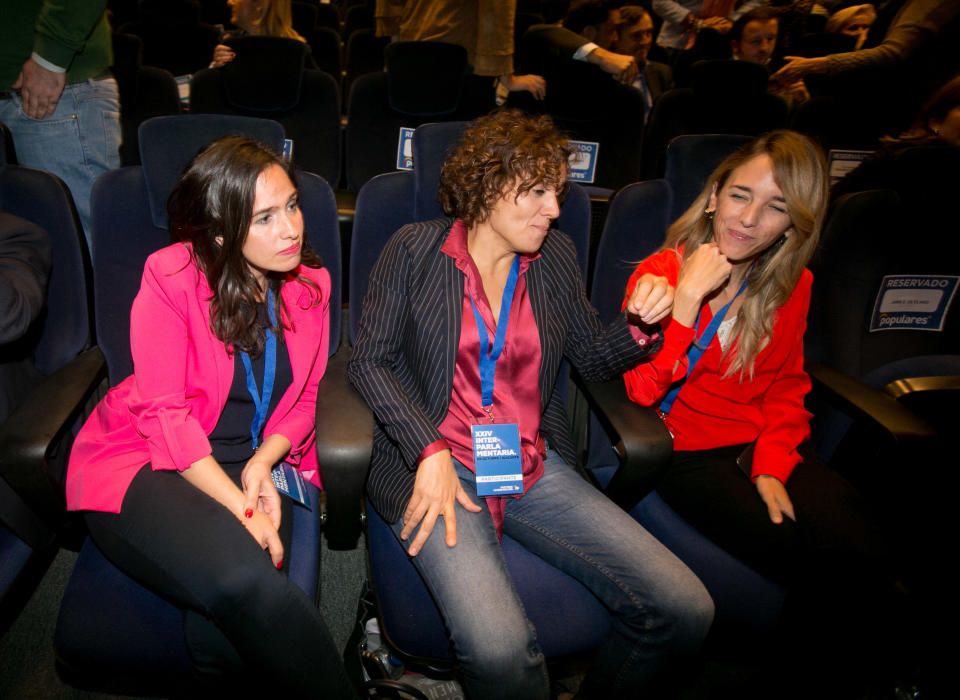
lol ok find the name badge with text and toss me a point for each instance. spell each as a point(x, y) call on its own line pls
point(496, 459)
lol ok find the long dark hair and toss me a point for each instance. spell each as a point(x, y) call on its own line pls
point(211, 208)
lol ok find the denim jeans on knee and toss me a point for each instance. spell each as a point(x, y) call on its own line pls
point(494, 642)
point(660, 609)
point(78, 143)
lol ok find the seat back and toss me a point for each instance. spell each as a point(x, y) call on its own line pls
point(691, 158)
point(635, 228)
point(41, 198)
point(872, 290)
point(145, 92)
point(269, 79)
point(589, 105)
point(741, 88)
point(425, 81)
point(129, 214)
point(31, 503)
point(173, 36)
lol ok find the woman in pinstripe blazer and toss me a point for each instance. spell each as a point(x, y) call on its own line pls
point(436, 288)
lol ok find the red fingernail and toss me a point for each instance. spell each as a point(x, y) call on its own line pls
point(279, 564)
point(248, 512)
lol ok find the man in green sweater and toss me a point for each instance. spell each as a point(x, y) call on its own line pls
point(57, 95)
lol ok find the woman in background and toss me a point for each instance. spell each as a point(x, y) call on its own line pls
point(255, 18)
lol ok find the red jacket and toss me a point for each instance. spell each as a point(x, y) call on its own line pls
point(712, 411)
point(182, 374)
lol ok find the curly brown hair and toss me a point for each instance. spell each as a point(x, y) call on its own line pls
point(501, 152)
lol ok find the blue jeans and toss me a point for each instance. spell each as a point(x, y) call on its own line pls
point(660, 610)
point(79, 142)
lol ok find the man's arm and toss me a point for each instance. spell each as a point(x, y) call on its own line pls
point(24, 264)
point(63, 27)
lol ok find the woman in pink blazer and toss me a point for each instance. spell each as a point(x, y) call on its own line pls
point(229, 337)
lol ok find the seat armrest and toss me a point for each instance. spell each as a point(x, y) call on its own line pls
point(30, 433)
point(645, 443)
point(344, 447)
point(864, 403)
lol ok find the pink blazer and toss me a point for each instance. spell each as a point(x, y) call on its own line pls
point(163, 413)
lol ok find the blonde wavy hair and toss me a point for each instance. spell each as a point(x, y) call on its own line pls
point(799, 170)
point(277, 20)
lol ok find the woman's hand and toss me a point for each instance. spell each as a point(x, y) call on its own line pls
point(259, 493)
point(774, 494)
point(702, 273)
point(222, 55)
point(436, 491)
point(651, 299)
point(260, 526)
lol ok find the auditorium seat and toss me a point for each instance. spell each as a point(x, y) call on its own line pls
point(54, 359)
point(269, 79)
point(425, 81)
point(726, 97)
point(145, 92)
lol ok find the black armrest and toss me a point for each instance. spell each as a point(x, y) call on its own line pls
point(864, 403)
point(344, 446)
point(645, 442)
point(33, 430)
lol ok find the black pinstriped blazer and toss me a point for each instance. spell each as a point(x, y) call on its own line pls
point(403, 360)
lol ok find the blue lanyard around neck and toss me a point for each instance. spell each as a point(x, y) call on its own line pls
point(700, 345)
point(261, 401)
point(488, 355)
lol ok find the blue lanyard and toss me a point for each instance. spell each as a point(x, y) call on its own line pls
point(261, 401)
point(700, 345)
point(488, 355)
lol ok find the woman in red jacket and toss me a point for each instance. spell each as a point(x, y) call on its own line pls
point(729, 381)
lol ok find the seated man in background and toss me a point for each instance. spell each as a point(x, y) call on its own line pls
point(754, 39)
point(635, 37)
point(24, 266)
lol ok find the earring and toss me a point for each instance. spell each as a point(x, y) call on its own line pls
point(709, 213)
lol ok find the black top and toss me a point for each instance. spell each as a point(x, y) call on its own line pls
point(230, 439)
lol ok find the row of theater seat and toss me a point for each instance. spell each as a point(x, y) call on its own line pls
point(428, 81)
point(100, 638)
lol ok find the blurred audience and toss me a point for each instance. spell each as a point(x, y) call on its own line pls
point(924, 157)
point(853, 21)
point(684, 19)
point(753, 36)
point(255, 18)
point(483, 27)
point(589, 32)
point(635, 38)
point(919, 25)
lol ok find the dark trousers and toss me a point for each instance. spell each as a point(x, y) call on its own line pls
point(181, 543)
point(841, 602)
